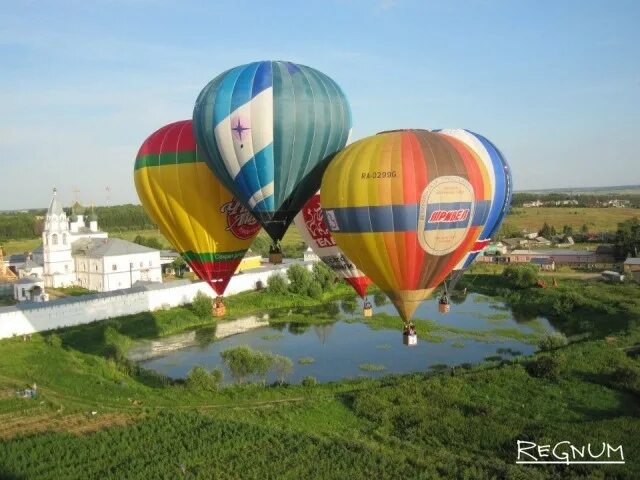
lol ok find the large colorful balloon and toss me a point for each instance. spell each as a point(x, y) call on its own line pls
point(406, 206)
point(267, 130)
point(197, 214)
point(500, 185)
point(316, 234)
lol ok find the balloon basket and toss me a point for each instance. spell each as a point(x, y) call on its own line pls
point(444, 307)
point(410, 340)
point(219, 309)
point(275, 258)
point(367, 311)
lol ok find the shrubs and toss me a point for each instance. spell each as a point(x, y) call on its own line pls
point(549, 367)
point(522, 275)
point(626, 376)
point(553, 341)
point(54, 340)
point(282, 366)
point(202, 305)
point(309, 381)
point(200, 379)
point(277, 284)
point(314, 291)
point(323, 276)
point(244, 362)
point(299, 279)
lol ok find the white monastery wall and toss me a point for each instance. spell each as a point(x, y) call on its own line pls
point(38, 317)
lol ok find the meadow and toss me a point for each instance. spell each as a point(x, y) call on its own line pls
point(597, 219)
point(446, 423)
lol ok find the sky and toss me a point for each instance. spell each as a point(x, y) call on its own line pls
point(554, 84)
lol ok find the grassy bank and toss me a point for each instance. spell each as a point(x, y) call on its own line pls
point(461, 423)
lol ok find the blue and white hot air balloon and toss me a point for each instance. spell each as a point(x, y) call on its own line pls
point(267, 130)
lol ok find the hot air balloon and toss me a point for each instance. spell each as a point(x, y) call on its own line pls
point(406, 206)
point(500, 186)
point(314, 231)
point(267, 130)
point(197, 214)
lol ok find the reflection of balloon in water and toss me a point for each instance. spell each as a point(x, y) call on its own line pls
point(406, 206)
point(315, 233)
point(267, 129)
point(500, 189)
point(197, 214)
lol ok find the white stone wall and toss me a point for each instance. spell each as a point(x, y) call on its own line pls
point(26, 319)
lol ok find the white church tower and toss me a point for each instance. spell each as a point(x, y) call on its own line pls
point(59, 267)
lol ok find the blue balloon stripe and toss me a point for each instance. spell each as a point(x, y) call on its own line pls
point(223, 95)
point(257, 172)
point(263, 78)
point(243, 87)
point(266, 205)
point(400, 218)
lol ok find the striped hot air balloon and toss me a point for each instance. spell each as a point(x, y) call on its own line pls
point(193, 210)
point(500, 187)
point(267, 129)
point(316, 234)
point(407, 206)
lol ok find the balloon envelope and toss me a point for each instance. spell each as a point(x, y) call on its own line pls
point(316, 234)
point(406, 206)
point(197, 214)
point(267, 129)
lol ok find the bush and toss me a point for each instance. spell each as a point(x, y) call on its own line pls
point(626, 377)
point(151, 242)
point(549, 367)
point(309, 381)
point(553, 341)
point(200, 379)
point(202, 305)
point(277, 284)
point(379, 298)
point(299, 279)
point(54, 340)
point(244, 362)
point(324, 276)
point(521, 276)
point(282, 366)
point(315, 290)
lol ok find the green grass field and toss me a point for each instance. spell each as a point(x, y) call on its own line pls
point(597, 219)
point(461, 423)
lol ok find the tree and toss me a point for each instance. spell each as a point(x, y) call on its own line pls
point(547, 231)
point(202, 305)
point(324, 276)
point(179, 265)
point(199, 378)
point(567, 230)
point(628, 238)
point(315, 290)
point(151, 242)
point(277, 284)
point(299, 279)
point(243, 362)
point(584, 228)
point(521, 276)
point(282, 366)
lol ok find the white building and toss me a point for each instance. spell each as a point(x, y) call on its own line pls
point(74, 254)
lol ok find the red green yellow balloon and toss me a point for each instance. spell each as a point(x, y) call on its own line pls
point(193, 210)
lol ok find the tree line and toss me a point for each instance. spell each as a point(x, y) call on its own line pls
point(117, 218)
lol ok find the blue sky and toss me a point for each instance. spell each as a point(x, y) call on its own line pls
point(555, 84)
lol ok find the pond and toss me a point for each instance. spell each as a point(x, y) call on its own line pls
point(346, 347)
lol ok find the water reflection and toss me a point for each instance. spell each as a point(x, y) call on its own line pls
point(344, 347)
